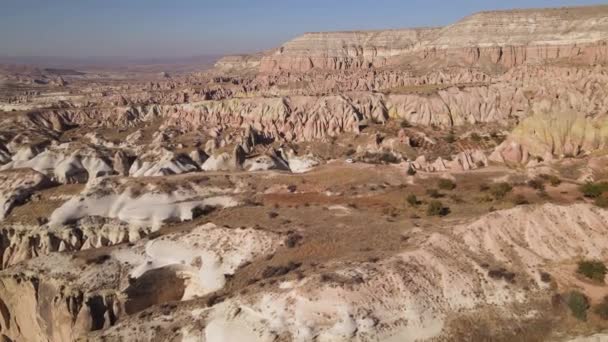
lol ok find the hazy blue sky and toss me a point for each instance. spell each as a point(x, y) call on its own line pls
point(164, 28)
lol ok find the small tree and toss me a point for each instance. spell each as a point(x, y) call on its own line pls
point(578, 305)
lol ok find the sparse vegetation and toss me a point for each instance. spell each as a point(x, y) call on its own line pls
point(446, 184)
point(292, 240)
point(436, 208)
point(412, 200)
point(592, 269)
point(277, 271)
point(594, 190)
point(434, 193)
point(545, 277)
point(601, 201)
point(450, 138)
point(537, 184)
point(475, 137)
point(552, 179)
point(601, 309)
point(502, 273)
point(405, 124)
point(500, 190)
point(578, 305)
point(520, 199)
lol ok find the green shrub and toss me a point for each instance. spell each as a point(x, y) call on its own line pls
point(436, 208)
point(500, 190)
point(446, 184)
point(578, 305)
point(412, 200)
point(592, 269)
point(594, 190)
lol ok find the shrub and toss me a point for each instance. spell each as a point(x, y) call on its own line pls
point(497, 137)
point(446, 184)
point(520, 200)
point(592, 269)
point(450, 138)
point(553, 179)
point(602, 309)
point(436, 208)
point(502, 273)
point(405, 124)
point(545, 277)
point(457, 199)
point(277, 271)
point(537, 184)
point(412, 200)
point(411, 171)
point(292, 240)
point(594, 190)
point(475, 137)
point(433, 193)
point(578, 305)
point(500, 190)
point(484, 187)
point(602, 201)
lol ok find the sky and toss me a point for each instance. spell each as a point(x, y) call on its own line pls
point(183, 28)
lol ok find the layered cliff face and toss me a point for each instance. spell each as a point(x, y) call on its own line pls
point(345, 50)
point(501, 38)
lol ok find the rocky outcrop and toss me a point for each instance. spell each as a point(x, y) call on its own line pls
point(553, 134)
point(463, 161)
point(17, 186)
point(73, 296)
point(23, 242)
point(141, 207)
point(63, 310)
